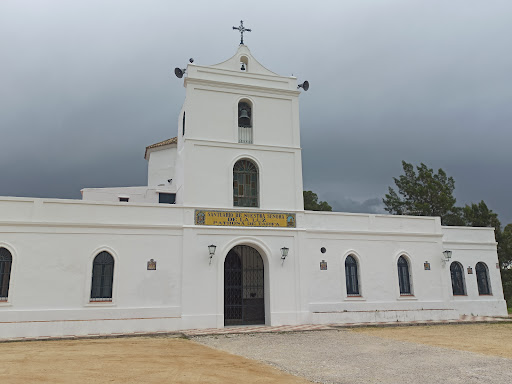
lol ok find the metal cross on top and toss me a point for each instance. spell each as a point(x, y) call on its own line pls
point(242, 29)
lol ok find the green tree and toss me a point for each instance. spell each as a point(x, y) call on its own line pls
point(505, 258)
point(505, 247)
point(479, 215)
point(311, 202)
point(423, 193)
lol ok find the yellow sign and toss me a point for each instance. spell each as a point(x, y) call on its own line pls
point(245, 219)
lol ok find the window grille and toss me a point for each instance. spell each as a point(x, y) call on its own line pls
point(244, 287)
point(351, 276)
point(482, 279)
point(5, 273)
point(245, 184)
point(403, 276)
point(457, 274)
point(102, 277)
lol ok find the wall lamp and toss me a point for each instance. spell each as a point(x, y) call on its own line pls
point(284, 253)
point(211, 250)
point(447, 255)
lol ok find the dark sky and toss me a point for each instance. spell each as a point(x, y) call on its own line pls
point(86, 85)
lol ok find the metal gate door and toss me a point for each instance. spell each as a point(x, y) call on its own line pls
point(244, 300)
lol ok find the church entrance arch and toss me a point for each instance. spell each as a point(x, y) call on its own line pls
point(244, 281)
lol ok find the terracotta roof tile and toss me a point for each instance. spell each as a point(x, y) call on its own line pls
point(172, 140)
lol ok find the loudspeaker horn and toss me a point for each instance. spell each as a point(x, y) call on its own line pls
point(179, 72)
point(304, 85)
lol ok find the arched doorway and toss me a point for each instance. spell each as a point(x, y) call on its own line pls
point(244, 298)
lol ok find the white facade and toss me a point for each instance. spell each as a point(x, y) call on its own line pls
point(53, 242)
point(161, 159)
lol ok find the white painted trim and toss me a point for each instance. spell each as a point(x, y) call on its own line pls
point(373, 233)
point(244, 87)
point(52, 224)
point(233, 145)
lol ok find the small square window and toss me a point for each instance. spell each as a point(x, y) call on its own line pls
point(167, 198)
point(124, 199)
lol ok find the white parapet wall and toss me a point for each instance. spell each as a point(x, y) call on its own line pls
point(376, 242)
point(53, 243)
point(128, 194)
point(470, 246)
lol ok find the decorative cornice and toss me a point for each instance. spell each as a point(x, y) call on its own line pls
point(245, 87)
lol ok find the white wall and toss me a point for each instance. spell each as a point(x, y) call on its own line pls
point(203, 295)
point(209, 175)
point(161, 165)
point(53, 243)
point(210, 146)
point(134, 194)
point(470, 246)
point(376, 241)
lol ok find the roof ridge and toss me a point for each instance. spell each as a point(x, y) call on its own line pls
point(172, 140)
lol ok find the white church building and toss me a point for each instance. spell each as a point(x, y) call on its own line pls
point(220, 237)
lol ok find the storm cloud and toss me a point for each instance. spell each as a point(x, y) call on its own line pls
point(86, 85)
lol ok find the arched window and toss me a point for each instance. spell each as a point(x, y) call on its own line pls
point(5, 273)
point(403, 276)
point(245, 184)
point(482, 279)
point(351, 279)
point(102, 277)
point(457, 273)
point(245, 122)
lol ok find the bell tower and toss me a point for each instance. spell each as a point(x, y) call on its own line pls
point(240, 147)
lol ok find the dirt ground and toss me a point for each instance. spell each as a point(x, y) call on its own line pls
point(130, 360)
point(488, 339)
point(363, 355)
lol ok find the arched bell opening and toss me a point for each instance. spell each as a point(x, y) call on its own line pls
point(244, 287)
point(245, 121)
point(244, 63)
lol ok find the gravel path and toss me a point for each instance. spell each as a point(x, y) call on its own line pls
point(342, 356)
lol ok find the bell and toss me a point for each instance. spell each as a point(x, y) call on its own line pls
point(244, 114)
point(242, 68)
